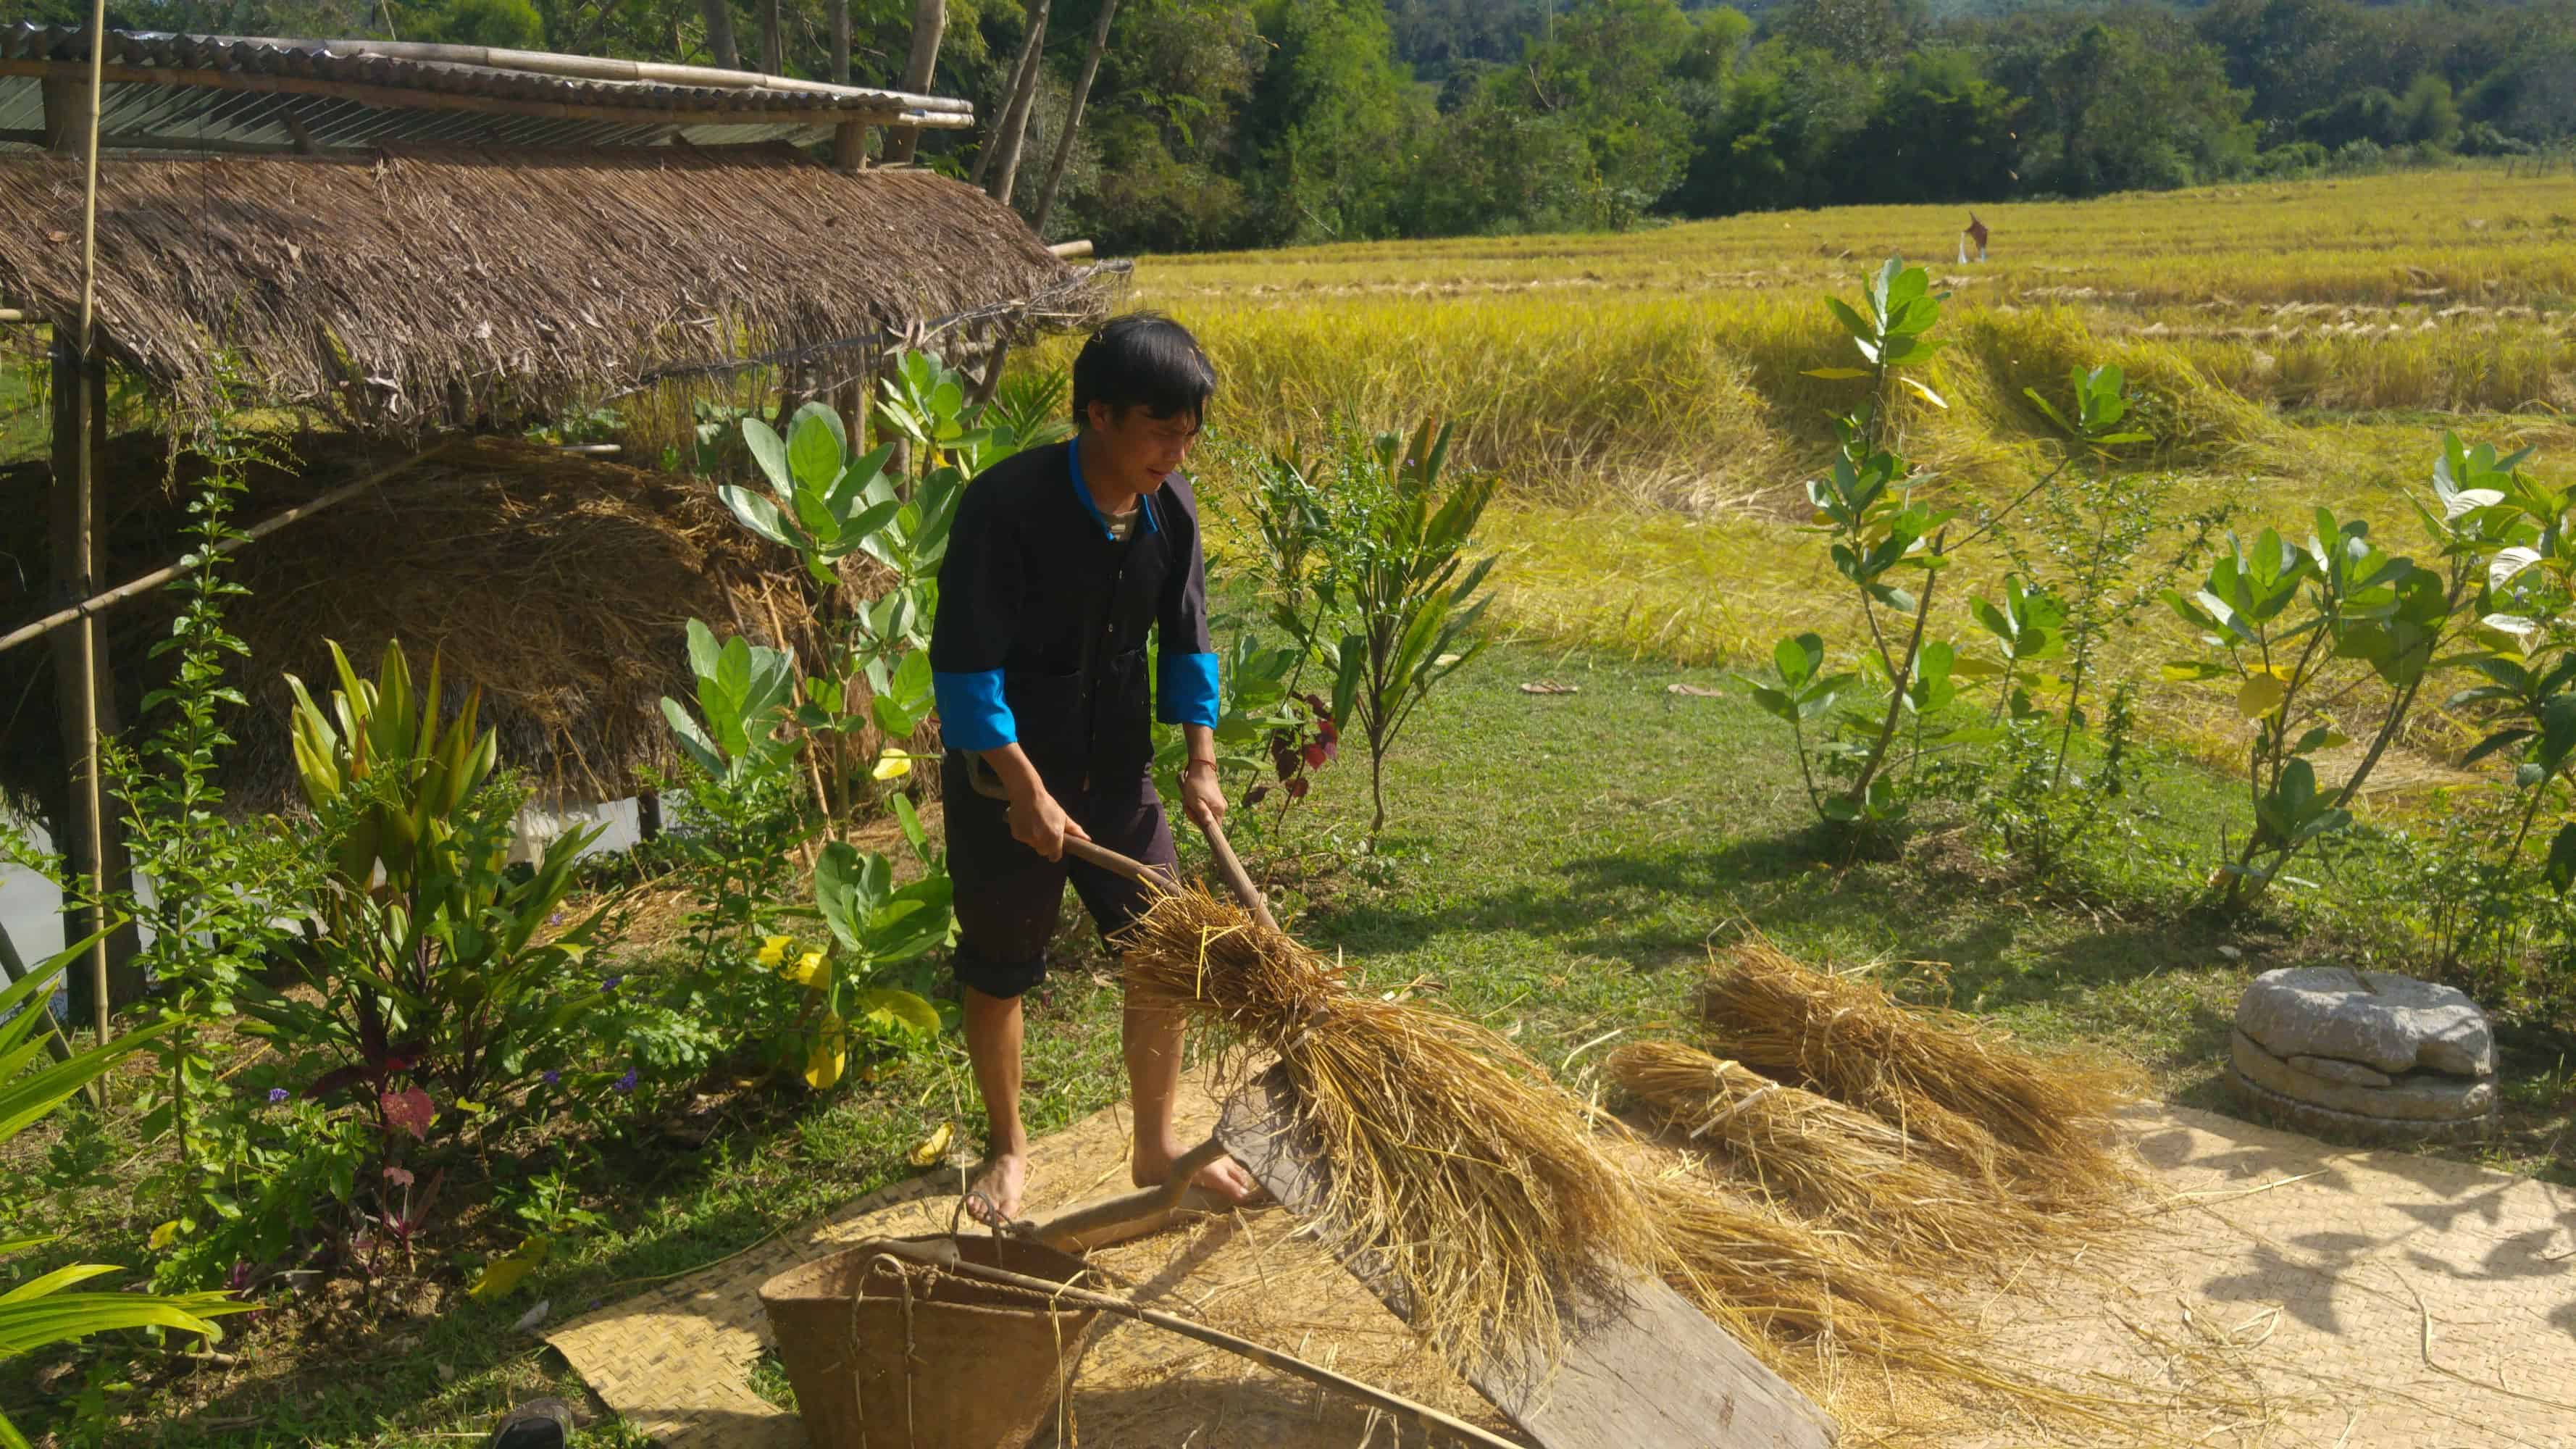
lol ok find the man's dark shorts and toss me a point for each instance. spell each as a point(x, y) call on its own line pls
point(1008, 895)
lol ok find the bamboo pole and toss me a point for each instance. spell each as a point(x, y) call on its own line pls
point(590, 67)
point(82, 502)
point(1069, 250)
point(1422, 1415)
point(262, 529)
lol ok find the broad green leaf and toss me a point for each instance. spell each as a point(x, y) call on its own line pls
point(2259, 696)
point(897, 1008)
point(756, 513)
point(1798, 658)
point(770, 452)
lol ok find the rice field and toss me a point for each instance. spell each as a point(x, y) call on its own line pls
point(1644, 396)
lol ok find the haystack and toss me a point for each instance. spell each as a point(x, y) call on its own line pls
point(561, 587)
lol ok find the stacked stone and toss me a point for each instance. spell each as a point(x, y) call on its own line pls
point(2364, 1055)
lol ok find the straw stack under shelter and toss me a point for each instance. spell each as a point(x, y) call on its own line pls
point(558, 586)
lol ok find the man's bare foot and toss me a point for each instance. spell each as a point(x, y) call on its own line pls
point(993, 1194)
point(1223, 1178)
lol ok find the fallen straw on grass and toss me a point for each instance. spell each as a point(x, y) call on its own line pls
point(2039, 1129)
point(1455, 1162)
point(1836, 1166)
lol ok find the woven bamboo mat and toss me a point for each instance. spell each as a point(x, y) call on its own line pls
point(2284, 1294)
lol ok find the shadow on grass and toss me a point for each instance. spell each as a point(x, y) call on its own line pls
point(1656, 908)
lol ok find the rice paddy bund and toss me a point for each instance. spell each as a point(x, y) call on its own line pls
point(1644, 396)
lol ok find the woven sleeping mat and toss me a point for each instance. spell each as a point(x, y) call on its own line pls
point(2277, 1293)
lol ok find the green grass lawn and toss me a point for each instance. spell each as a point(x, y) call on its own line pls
point(1557, 866)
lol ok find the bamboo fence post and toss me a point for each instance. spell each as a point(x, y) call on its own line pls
point(91, 806)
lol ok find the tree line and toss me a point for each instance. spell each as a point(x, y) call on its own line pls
point(1240, 123)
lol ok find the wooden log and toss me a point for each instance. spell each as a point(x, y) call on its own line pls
point(1071, 249)
point(66, 102)
point(929, 24)
point(1647, 1372)
point(849, 146)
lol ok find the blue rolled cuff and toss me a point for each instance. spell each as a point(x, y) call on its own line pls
point(1185, 686)
point(972, 713)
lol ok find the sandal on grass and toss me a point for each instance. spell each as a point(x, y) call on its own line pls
point(537, 1424)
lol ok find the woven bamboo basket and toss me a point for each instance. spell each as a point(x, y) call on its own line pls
point(889, 1354)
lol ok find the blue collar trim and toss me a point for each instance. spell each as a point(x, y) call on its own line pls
point(1082, 490)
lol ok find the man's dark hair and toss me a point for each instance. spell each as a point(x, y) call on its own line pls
point(1146, 360)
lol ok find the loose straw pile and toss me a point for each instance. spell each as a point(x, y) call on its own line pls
point(1837, 1167)
point(1455, 1162)
point(2025, 1127)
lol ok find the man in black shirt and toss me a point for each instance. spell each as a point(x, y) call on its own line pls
point(1060, 562)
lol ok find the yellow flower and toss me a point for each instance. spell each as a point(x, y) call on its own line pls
point(808, 970)
point(831, 1053)
point(773, 949)
point(892, 766)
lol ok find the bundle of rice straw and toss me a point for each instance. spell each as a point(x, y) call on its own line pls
point(2041, 1126)
point(1841, 1168)
point(1454, 1161)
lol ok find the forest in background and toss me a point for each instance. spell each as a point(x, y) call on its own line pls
point(1245, 123)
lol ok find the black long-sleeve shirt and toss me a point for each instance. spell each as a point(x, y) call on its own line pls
point(1043, 617)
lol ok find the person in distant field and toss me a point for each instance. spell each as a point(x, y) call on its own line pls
point(1061, 560)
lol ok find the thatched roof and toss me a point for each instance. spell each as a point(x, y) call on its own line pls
point(560, 586)
point(443, 287)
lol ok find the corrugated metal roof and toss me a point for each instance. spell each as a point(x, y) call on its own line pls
point(208, 92)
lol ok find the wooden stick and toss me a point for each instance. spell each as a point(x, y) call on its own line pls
point(1067, 1228)
point(1071, 249)
point(1236, 876)
point(944, 1257)
point(157, 577)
